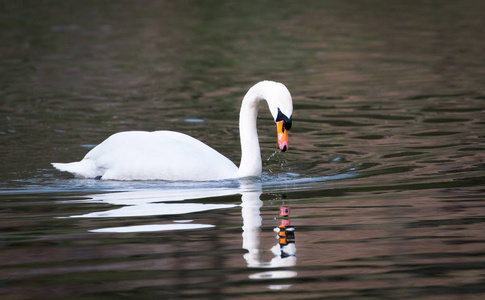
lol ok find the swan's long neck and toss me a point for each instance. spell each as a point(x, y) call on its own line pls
point(250, 152)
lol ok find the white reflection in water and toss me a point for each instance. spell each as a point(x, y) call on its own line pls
point(148, 203)
point(151, 228)
point(144, 196)
point(154, 209)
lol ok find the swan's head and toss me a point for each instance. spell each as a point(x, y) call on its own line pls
point(281, 107)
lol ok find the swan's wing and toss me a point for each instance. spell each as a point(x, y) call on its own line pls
point(159, 155)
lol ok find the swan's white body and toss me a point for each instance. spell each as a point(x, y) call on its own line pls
point(168, 155)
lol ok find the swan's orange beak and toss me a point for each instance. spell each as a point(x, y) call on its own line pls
point(282, 136)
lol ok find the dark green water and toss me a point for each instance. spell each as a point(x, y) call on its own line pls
point(384, 177)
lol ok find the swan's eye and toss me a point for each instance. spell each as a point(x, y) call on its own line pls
point(282, 117)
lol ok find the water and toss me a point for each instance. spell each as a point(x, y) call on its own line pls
point(384, 178)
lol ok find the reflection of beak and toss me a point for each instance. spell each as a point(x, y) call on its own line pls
point(282, 136)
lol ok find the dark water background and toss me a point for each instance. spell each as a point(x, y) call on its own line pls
point(384, 177)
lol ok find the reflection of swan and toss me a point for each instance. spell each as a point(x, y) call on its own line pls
point(252, 221)
point(166, 202)
point(175, 156)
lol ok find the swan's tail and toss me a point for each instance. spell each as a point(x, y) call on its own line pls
point(84, 168)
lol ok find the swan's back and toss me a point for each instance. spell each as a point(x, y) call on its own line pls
point(165, 155)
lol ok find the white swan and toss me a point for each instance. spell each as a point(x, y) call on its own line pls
point(168, 155)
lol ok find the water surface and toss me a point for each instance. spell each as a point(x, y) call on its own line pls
point(383, 181)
